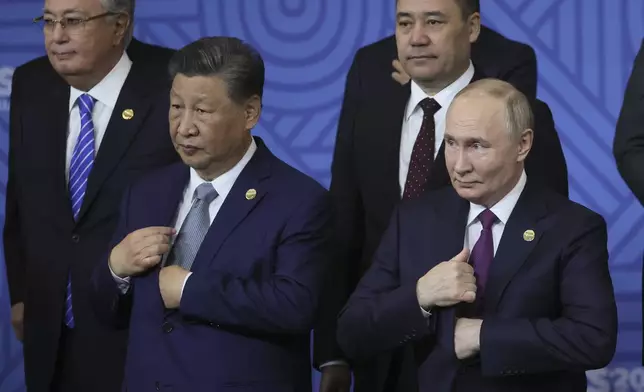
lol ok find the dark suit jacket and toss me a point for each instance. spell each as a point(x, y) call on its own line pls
point(628, 145)
point(549, 309)
point(365, 189)
point(41, 240)
point(248, 308)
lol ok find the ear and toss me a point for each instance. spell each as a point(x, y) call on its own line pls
point(474, 24)
point(525, 144)
point(252, 111)
point(121, 27)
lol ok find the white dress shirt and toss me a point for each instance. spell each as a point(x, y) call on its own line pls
point(414, 119)
point(106, 93)
point(222, 184)
point(502, 210)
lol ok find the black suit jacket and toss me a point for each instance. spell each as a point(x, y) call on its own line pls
point(365, 185)
point(628, 146)
point(42, 241)
point(548, 306)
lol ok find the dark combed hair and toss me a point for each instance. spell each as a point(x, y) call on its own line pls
point(238, 64)
point(468, 7)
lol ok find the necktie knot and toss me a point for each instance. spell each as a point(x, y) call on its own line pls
point(86, 103)
point(206, 192)
point(487, 219)
point(430, 106)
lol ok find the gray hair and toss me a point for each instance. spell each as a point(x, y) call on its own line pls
point(518, 112)
point(122, 6)
point(237, 63)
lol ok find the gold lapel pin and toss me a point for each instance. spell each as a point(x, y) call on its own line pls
point(250, 194)
point(528, 235)
point(127, 114)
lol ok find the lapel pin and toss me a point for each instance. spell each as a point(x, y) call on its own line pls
point(250, 194)
point(127, 114)
point(528, 235)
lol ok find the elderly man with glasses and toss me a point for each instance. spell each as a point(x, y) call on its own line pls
point(85, 121)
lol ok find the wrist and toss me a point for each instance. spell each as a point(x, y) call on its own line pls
point(116, 270)
point(424, 300)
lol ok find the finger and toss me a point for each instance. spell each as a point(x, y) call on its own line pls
point(154, 250)
point(141, 247)
point(155, 230)
point(150, 261)
point(468, 296)
point(463, 256)
point(397, 65)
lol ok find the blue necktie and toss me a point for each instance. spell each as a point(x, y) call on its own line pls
point(79, 169)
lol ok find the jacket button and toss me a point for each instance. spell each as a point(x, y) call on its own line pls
point(75, 238)
point(167, 327)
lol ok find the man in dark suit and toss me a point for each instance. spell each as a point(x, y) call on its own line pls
point(379, 142)
point(62, 194)
point(499, 283)
point(628, 146)
point(231, 303)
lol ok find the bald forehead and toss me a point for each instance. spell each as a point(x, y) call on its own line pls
point(475, 113)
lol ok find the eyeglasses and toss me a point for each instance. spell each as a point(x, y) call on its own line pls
point(70, 25)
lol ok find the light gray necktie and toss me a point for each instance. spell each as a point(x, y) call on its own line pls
point(194, 228)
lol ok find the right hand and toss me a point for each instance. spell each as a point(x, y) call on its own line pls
point(399, 74)
point(335, 378)
point(140, 250)
point(448, 283)
point(17, 319)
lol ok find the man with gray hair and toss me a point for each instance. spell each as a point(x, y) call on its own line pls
point(499, 283)
point(217, 263)
point(85, 120)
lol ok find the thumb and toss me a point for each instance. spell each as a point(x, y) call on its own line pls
point(463, 256)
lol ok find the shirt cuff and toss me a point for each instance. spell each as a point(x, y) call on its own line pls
point(334, 363)
point(122, 283)
point(426, 314)
point(184, 285)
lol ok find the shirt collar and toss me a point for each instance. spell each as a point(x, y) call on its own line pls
point(504, 207)
point(108, 89)
point(444, 97)
point(224, 183)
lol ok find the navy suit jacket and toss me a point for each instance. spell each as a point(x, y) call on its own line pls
point(549, 308)
point(247, 310)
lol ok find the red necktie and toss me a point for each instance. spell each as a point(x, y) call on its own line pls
point(422, 156)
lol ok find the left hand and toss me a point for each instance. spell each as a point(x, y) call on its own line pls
point(170, 284)
point(467, 337)
point(335, 378)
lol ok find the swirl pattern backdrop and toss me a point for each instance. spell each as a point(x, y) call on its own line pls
point(585, 50)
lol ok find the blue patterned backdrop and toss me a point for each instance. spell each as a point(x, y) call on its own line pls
point(585, 50)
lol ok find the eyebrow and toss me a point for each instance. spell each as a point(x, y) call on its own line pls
point(65, 12)
point(405, 14)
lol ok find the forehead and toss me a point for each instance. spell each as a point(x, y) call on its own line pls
point(64, 6)
point(427, 6)
point(475, 115)
point(199, 86)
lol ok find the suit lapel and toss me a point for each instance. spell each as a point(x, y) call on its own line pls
point(55, 126)
point(119, 132)
point(390, 119)
point(514, 249)
point(237, 204)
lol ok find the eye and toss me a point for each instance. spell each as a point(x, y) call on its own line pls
point(174, 106)
point(404, 23)
point(433, 22)
point(73, 21)
point(200, 111)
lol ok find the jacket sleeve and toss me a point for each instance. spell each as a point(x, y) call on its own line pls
point(628, 146)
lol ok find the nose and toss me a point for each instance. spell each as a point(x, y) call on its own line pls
point(418, 35)
point(58, 34)
point(462, 163)
point(186, 126)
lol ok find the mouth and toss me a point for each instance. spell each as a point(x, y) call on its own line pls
point(188, 149)
point(64, 55)
point(421, 57)
point(465, 184)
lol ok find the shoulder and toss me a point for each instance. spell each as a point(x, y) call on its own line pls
point(159, 178)
point(495, 42)
point(570, 217)
point(140, 51)
point(293, 182)
point(381, 49)
point(38, 70)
